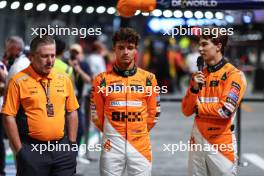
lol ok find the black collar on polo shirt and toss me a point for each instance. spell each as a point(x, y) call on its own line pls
point(217, 66)
point(125, 73)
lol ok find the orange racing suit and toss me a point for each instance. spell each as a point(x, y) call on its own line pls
point(215, 106)
point(124, 106)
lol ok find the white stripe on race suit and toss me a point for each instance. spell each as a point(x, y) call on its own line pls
point(209, 99)
point(126, 103)
point(229, 106)
point(121, 148)
point(219, 161)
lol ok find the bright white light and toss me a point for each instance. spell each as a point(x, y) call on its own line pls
point(217, 22)
point(77, 9)
point(154, 24)
point(65, 8)
point(41, 6)
point(28, 6)
point(53, 7)
point(167, 13)
point(198, 14)
point(111, 10)
point(219, 15)
point(15, 5)
point(145, 14)
point(156, 12)
point(100, 9)
point(229, 19)
point(167, 24)
point(188, 14)
point(200, 22)
point(90, 10)
point(191, 22)
point(208, 15)
point(177, 14)
point(137, 12)
point(3, 4)
point(247, 19)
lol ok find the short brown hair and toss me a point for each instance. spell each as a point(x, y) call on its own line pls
point(216, 37)
point(37, 41)
point(127, 35)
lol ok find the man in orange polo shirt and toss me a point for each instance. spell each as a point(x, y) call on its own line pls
point(35, 104)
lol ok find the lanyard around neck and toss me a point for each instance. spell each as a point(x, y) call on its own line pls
point(46, 90)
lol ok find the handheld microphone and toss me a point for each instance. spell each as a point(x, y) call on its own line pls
point(200, 65)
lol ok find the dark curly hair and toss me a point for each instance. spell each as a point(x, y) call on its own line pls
point(215, 35)
point(126, 34)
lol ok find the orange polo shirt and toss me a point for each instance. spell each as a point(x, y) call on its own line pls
point(26, 100)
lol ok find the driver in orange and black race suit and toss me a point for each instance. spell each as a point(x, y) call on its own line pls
point(125, 107)
point(223, 87)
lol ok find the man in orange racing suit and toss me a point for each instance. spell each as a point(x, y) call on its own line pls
point(223, 87)
point(125, 107)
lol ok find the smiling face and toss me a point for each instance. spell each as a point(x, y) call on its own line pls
point(208, 49)
point(125, 54)
point(43, 58)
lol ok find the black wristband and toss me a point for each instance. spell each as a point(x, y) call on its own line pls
point(194, 90)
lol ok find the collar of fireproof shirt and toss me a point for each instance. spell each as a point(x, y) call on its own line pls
point(125, 73)
point(217, 66)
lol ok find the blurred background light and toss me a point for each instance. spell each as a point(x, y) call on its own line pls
point(177, 14)
point(156, 13)
point(111, 10)
point(188, 14)
point(15, 5)
point(77, 9)
point(28, 6)
point(3, 4)
point(219, 15)
point(100, 9)
point(198, 14)
point(167, 13)
point(90, 9)
point(53, 7)
point(65, 8)
point(41, 7)
point(208, 15)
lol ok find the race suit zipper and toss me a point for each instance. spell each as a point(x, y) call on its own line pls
point(126, 116)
